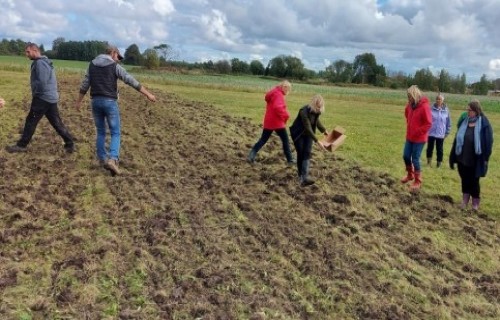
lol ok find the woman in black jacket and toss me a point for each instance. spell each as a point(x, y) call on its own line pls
point(471, 152)
point(303, 134)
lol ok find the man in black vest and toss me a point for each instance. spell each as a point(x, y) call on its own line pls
point(101, 78)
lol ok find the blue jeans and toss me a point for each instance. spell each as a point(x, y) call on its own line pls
point(411, 154)
point(105, 110)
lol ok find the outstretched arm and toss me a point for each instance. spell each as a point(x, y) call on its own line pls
point(148, 94)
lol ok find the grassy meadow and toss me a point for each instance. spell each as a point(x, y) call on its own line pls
point(190, 230)
point(373, 117)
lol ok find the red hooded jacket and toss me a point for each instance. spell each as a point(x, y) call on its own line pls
point(418, 121)
point(276, 112)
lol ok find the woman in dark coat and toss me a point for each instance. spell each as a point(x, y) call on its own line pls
point(303, 132)
point(471, 151)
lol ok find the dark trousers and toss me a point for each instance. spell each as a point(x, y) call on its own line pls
point(439, 148)
point(470, 183)
point(266, 134)
point(303, 146)
point(40, 108)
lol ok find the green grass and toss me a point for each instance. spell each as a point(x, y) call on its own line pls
point(373, 117)
point(374, 123)
point(186, 235)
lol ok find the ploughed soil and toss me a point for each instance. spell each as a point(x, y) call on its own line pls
point(190, 230)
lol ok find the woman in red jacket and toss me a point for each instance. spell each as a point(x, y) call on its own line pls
point(275, 120)
point(418, 122)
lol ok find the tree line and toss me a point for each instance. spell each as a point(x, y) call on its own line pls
point(363, 70)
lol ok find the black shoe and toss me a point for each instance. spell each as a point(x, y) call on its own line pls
point(251, 156)
point(69, 149)
point(306, 182)
point(15, 148)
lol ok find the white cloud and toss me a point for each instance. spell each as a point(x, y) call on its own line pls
point(494, 65)
point(404, 35)
point(163, 7)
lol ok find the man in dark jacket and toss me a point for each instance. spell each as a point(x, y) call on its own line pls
point(44, 103)
point(101, 78)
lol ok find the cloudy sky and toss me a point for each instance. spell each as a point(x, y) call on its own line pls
point(405, 35)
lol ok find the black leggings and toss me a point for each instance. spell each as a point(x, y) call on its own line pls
point(470, 183)
point(439, 148)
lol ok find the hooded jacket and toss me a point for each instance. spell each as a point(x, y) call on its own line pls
point(276, 112)
point(43, 80)
point(418, 121)
point(441, 123)
point(102, 75)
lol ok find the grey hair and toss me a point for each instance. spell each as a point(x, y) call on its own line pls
point(440, 95)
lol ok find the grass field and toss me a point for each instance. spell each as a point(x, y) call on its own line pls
point(190, 230)
point(373, 117)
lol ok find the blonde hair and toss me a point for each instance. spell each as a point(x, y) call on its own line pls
point(286, 86)
point(317, 104)
point(415, 93)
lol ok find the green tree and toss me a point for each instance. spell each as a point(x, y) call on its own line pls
point(340, 71)
point(462, 85)
point(239, 67)
point(223, 67)
point(286, 67)
point(444, 81)
point(365, 69)
point(55, 44)
point(277, 67)
point(295, 68)
point(132, 55)
point(481, 87)
point(424, 79)
point(257, 68)
point(151, 59)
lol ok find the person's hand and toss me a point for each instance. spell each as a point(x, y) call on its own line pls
point(2, 102)
point(452, 166)
point(151, 97)
point(321, 145)
point(78, 105)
